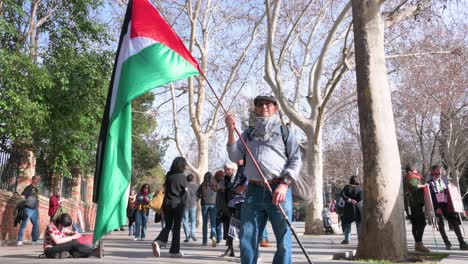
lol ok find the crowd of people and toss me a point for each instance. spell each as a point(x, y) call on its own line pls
point(239, 192)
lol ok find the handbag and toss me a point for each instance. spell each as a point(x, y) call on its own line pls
point(156, 202)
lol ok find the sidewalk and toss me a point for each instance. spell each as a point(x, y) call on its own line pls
point(120, 248)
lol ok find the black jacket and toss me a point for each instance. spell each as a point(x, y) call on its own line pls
point(351, 211)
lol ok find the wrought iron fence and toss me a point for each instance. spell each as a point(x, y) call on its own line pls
point(9, 170)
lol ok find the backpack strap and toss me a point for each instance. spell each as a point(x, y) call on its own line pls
point(285, 136)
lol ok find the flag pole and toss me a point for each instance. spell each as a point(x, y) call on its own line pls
point(260, 172)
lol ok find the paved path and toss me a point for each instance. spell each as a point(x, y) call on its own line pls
point(120, 248)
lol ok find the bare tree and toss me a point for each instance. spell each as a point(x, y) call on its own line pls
point(383, 200)
point(325, 55)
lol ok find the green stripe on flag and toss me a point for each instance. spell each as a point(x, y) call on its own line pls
point(152, 67)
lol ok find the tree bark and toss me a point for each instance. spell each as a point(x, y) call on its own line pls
point(383, 234)
point(313, 165)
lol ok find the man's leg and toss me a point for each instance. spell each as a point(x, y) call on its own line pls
point(280, 227)
point(252, 216)
point(347, 232)
point(185, 219)
point(193, 221)
point(23, 225)
point(35, 222)
point(440, 223)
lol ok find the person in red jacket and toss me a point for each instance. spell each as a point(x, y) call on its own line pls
point(54, 203)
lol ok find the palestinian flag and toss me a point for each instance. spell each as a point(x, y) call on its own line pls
point(150, 54)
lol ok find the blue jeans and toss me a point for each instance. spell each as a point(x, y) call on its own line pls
point(140, 223)
point(189, 221)
point(208, 210)
point(257, 208)
point(33, 215)
point(265, 234)
point(347, 231)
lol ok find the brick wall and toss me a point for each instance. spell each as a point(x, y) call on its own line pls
point(8, 201)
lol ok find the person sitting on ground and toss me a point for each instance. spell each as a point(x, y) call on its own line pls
point(60, 242)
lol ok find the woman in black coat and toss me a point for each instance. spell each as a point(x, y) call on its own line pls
point(173, 207)
point(352, 195)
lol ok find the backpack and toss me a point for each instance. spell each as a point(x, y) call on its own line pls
point(300, 187)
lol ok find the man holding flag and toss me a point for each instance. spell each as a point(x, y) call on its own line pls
point(149, 55)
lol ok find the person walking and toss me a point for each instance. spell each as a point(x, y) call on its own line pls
point(352, 195)
point(415, 197)
point(438, 188)
point(218, 187)
point(131, 211)
point(279, 158)
point(175, 199)
point(207, 197)
point(142, 211)
point(31, 194)
point(189, 219)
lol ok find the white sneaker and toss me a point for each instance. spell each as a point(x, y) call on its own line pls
point(213, 242)
point(136, 238)
point(38, 242)
point(176, 255)
point(19, 243)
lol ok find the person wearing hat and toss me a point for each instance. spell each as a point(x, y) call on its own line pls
point(280, 161)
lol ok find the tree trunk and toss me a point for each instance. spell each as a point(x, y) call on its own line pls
point(313, 166)
point(383, 234)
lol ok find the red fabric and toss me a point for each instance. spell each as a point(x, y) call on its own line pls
point(147, 22)
point(53, 205)
point(86, 239)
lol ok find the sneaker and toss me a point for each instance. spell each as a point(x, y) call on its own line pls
point(122, 229)
point(194, 238)
point(176, 255)
point(204, 244)
point(213, 242)
point(345, 242)
point(463, 246)
point(265, 243)
point(64, 255)
point(136, 238)
point(37, 242)
point(19, 243)
point(186, 240)
point(156, 249)
point(98, 251)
